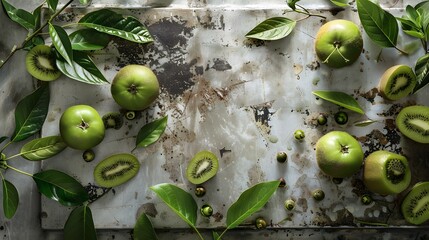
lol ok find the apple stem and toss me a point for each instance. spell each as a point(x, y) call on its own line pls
point(344, 149)
point(83, 125)
point(336, 44)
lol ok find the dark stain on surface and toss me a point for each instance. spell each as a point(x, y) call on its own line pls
point(219, 65)
point(370, 95)
point(377, 140)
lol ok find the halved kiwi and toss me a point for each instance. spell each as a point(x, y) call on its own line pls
point(413, 122)
point(397, 82)
point(113, 120)
point(415, 206)
point(202, 167)
point(386, 173)
point(40, 63)
point(116, 170)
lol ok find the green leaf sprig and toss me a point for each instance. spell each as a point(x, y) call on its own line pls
point(151, 132)
point(341, 99)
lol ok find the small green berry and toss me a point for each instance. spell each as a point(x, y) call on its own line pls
point(130, 115)
point(88, 155)
point(322, 119)
point(366, 199)
point(200, 191)
point(2, 156)
point(281, 157)
point(318, 195)
point(341, 118)
point(260, 223)
point(299, 135)
point(206, 210)
point(289, 204)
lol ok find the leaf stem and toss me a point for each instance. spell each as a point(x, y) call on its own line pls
point(220, 236)
point(35, 33)
point(401, 51)
point(199, 234)
point(20, 171)
point(306, 12)
point(372, 223)
point(7, 144)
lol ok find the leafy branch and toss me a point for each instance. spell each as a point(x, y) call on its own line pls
point(280, 27)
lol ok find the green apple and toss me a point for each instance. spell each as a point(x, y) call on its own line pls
point(338, 43)
point(135, 87)
point(339, 154)
point(81, 127)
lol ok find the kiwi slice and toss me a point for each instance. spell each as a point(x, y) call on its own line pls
point(202, 167)
point(415, 206)
point(386, 173)
point(413, 122)
point(40, 63)
point(116, 170)
point(397, 82)
point(113, 120)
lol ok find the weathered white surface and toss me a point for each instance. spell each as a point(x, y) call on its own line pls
point(216, 109)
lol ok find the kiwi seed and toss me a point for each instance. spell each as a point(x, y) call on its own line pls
point(386, 173)
point(116, 170)
point(113, 120)
point(415, 206)
point(413, 122)
point(397, 82)
point(202, 167)
point(40, 63)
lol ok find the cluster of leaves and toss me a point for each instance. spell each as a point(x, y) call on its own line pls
point(72, 50)
point(184, 205)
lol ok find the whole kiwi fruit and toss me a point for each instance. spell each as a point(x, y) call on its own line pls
point(415, 206)
point(202, 167)
point(386, 173)
point(113, 120)
point(40, 63)
point(413, 122)
point(116, 170)
point(397, 82)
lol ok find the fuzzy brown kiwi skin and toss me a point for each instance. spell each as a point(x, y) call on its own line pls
point(40, 63)
point(384, 83)
point(418, 196)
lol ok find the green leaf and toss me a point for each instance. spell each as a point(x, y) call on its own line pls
point(215, 235)
point(80, 225)
point(37, 12)
point(151, 132)
point(52, 4)
point(30, 113)
point(10, 199)
point(340, 3)
point(112, 23)
point(88, 39)
point(292, 3)
point(422, 72)
point(272, 29)
point(19, 16)
point(380, 25)
point(364, 123)
point(143, 230)
point(37, 40)
point(82, 69)
point(61, 41)
point(249, 202)
point(341, 99)
point(180, 201)
point(60, 187)
point(43, 148)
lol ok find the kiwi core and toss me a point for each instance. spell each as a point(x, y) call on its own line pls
point(395, 171)
point(202, 167)
point(422, 206)
point(401, 82)
point(116, 169)
point(420, 125)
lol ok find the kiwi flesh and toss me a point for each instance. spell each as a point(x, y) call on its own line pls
point(202, 167)
point(116, 170)
point(386, 173)
point(413, 122)
point(40, 63)
point(397, 82)
point(113, 120)
point(415, 206)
